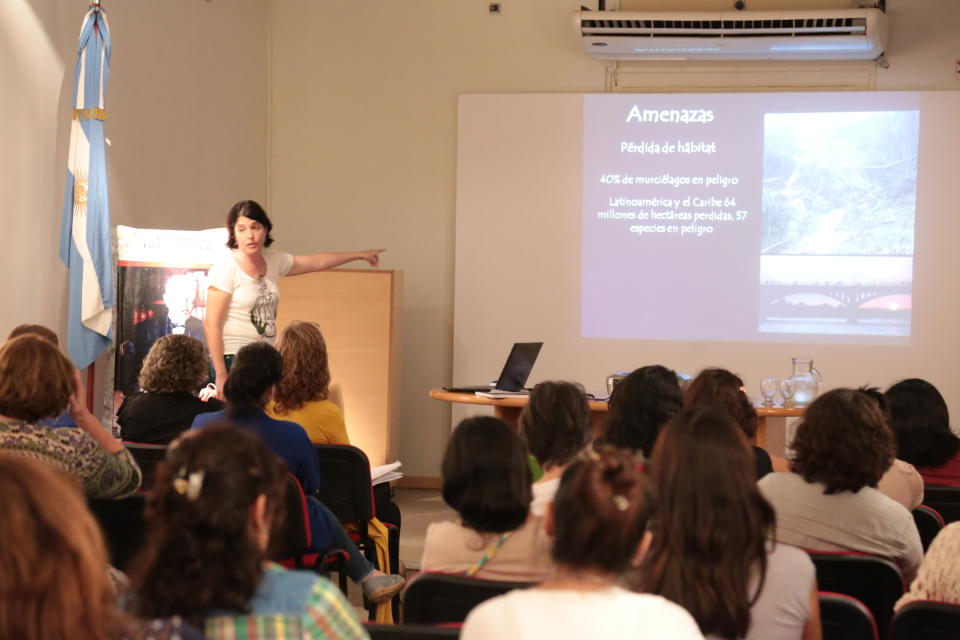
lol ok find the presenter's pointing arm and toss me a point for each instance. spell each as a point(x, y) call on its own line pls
point(324, 261)
point(217, 304)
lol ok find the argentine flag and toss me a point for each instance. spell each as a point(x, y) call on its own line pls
point(85, 232)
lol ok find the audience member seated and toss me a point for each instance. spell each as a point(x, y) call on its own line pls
point(36, 382)
point(556, 426)
point(830, 502)
point(301, 395)
point(713, 550)
point(901, 482)
point(218, 496)
point(486, 480)
point(640, 405)
point(921, 424)
point(597, 521)
point(939, 575)
point(256, 369)
point(722, 391)
point(64, 419)
point(173, 372)
point(53, 565)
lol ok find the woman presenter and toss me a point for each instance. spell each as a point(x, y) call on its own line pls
point(243, 295)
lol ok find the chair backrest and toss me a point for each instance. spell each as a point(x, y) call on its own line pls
point(434, 598)
point(843, 617)
point(148, 456)
point(929, 522)
point(946, 500)
point(123, 526)
point(293, 537)
point(411, 631)
point(345, 482)
point(874, 581)
point(926, 620)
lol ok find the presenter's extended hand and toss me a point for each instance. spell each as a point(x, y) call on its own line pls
point(372, 256)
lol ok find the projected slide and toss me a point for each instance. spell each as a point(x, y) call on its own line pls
point(748, 217)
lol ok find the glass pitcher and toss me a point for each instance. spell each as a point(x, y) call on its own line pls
point(806, 382)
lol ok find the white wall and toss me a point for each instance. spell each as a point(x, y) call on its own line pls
point(363, 135)
point(186, 117)
point(363, 147)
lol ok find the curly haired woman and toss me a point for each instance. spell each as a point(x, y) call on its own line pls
point(830, 501)
point(172, 373)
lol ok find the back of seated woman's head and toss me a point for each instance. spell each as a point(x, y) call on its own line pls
point(843, 442)
point(486, 476)
point(53, 580)
point(556, 422)
point(201, 551)
point(600, 513)
point(36, 379)
point(712, 523)
point(46, 333)
point(640, 405)
point(306, 370)
point(722, 390)
point(256, 368)
point(174, 364)
point(920, 422)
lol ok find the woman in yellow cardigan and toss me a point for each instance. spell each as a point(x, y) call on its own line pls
point(302, 395)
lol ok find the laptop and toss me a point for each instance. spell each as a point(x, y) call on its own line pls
point(515, 372)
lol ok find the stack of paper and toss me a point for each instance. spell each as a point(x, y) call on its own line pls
point(386, 473)
point(497, 393)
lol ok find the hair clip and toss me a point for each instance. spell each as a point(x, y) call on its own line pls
point(189, 486)
point(620, 502)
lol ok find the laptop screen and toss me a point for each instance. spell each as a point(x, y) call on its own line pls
point(518, 366)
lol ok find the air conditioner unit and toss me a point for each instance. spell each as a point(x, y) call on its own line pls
point(831, 34)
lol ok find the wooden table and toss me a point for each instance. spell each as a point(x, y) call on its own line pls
point(508, 410)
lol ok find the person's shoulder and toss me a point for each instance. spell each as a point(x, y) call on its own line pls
point(203, 419)
point(780, 480)
point(291, 579)
point(659, 615)
point(447, 530)
point(878, 500)
point(274, 256)
point(285, 591)
point(787, 558)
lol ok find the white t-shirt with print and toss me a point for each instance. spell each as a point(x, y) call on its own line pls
point(252, 313)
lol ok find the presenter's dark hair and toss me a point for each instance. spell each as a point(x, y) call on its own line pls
point(843, 442)
point(252, 210)
point(639, 407)
point(199, 554)
point(556, 424)
point(600, 512)
point(722, 390)
point(713, 525)
point(920, 422)
point(486, 476)
point(257, 367)
point(36, 379)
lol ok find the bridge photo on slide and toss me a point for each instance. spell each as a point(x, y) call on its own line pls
point(839, 204)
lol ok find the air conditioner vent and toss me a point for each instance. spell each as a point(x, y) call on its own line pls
point(823, 34)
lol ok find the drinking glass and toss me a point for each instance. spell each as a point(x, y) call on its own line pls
point(787, 389)
point(768, 388)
